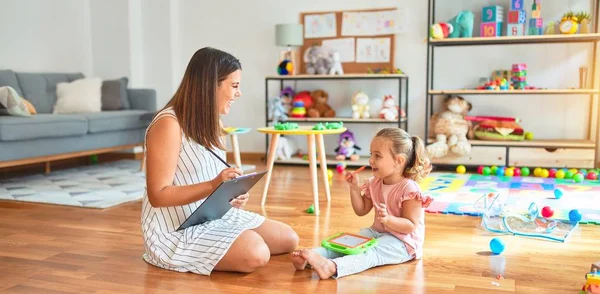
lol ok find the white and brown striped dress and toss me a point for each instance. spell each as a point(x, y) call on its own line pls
point(199, 248)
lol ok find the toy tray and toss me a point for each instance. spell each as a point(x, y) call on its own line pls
point(349, 244)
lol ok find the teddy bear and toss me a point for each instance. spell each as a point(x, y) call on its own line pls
point(450, 128)
point(347, 147)
point(317, 60)
point(389, 110)
point(360, 105)
point(320, 108)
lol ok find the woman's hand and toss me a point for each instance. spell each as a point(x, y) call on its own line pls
point(381, 212)
point(226, 175)
point(240, 201)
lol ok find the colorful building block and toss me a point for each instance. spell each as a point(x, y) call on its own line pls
point(536, 23)
point(491, 29)
point(492, 14)
point(516, 4)
point(515, 29)
point(536, 14)
point(517, 16)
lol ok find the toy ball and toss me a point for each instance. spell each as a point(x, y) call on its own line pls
point(573, 170)
point(592, 176)
point(493, 169)
point(340, 169)
point(480, 169)
point(574, 216)
point(329, 174)
point(547, 211)
point(578, 178)
point(461, 169)
point(569, 175)
point(544, 173)
point(497, 246)
point(552, 173)
point(486, 171)
point(583, 171)
point(509, 172)
point(558, 193)
point(517, 172)
point(500, 171)
point(285, 67)
point(560, 174)
point(537, 171)
point(525, 171)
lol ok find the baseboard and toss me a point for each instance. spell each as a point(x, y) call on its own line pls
point(247, 156)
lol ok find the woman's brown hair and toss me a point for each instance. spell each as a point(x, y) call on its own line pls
point(195, 101)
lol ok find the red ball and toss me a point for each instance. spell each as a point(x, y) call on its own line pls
point(517, 172)
point(592, 176)
point(547, 211)
point(480, 169)
point(340, 169)
point(552, 173)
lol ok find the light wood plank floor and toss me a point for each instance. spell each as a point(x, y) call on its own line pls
point(54, 249)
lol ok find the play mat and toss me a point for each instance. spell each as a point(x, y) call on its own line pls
point(457, 194)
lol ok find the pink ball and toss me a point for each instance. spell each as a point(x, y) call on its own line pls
point(552, 173)
point(547, 211)
point(592, 176)
point(340, 169)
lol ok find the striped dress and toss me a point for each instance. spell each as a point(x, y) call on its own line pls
point(199, 248)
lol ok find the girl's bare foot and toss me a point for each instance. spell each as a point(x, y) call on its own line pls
point(298, 261)
point(325, 268)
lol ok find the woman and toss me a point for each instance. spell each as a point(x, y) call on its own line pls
point(183, 143)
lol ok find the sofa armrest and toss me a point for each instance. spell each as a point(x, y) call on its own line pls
point(143, 99)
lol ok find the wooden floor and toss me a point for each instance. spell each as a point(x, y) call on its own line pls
point(54, 249)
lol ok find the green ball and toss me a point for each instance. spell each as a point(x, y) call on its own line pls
point(525, 171)
point(493, 169)
point(486, 171)
point(578, 178)
point(569, 175)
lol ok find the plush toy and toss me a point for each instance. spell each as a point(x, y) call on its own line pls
point(441, 30)
point(285, 149)
point(462, 25)
point(360, 105)
point(450, 128)
point(287, 96)
point(320, 108)
point(347, 147)
point(276, 110)
point(389, 109)
point(317, 60)
point(336, 67)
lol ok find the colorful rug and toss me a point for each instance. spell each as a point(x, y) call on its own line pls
point(457, 193)
point(92, 186)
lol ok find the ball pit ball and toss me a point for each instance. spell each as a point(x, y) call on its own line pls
point(340, 169)
point(573, 170)
point(560, 174)
point(461, 169)
point(558, 193)
point(537, 171)
point(552, 173)
point(583, 171)
point(329, 174)
point(547, 211)
point(497, 246)
point(493, 169)
point(500, 171)
point(480, 169)
point(525, 171)
point(592, 176)
point(486, 171)
point(574, 216)
point(509, 172)
point(517, 172)
point(578, 178)
point(569, 175)
point(544, 173)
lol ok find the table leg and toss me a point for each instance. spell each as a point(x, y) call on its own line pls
point(270, 162)
point(236, 150)
point(312, 160)
point(323, 164)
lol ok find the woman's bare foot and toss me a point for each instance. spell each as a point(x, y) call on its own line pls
point(298, 261)
point(325, 268)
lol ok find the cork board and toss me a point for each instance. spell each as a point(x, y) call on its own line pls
point(355, 66)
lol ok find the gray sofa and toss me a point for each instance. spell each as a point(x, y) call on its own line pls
point(45, 137)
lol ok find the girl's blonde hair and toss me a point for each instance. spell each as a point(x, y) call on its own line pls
point(418, 165)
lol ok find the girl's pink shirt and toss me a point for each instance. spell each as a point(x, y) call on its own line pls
point(393, 196)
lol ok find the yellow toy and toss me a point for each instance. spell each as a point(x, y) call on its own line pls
point(360, 105)
point(569, 24)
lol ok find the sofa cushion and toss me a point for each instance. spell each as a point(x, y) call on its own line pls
point(13, 128)
point(114, 94)
point(116, 120)
point(40, 88)
point(9, 78)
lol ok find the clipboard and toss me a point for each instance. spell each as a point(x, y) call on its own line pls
point(217, 204)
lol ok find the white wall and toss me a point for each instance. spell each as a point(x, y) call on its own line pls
point(40, 35)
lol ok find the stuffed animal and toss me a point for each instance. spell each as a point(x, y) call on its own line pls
point(360, 105)
point(336, 67)
point(317, 60)
point(276, 110)
point(440, 30)
point(450, 128)
point(462, 25)
point(347, 147)
point(389, 110)
point(320, 108)
point(285, 149)
point(287, 96)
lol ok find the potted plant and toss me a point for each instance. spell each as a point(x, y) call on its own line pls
point(584, 22)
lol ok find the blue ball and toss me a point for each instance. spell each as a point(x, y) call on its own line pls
point(500, 171)
point(574, 216)
point(558, 193)
point(497, 246)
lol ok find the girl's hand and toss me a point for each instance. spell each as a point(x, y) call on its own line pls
point(381, 212)
point(352, 179)
point(226, 175)
point(240, 201)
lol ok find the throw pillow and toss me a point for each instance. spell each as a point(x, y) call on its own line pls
point(29, 106)
point(79, 96)
point(11, 103)
point(114, 94)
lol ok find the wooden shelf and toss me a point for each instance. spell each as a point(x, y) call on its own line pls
point(533, 143)
point(505, 40)
point(515, 92)
point(331, 161)
point(342, 119)
point(337, 77)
